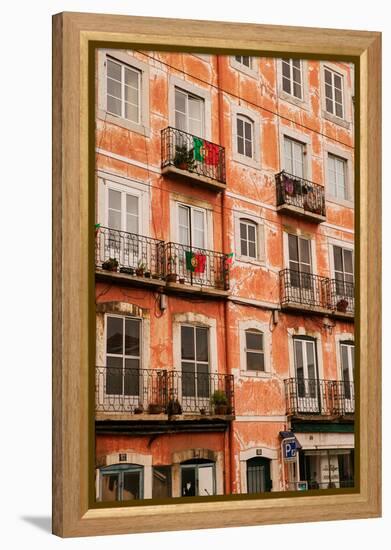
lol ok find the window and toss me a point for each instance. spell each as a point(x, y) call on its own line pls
point(343, 269)
point(299, 249)
point(306, 375)
point(198, 478)
point(244, 60)
point(189, 113)
point(294, 157)
point(191, 226)
point(123, 85)
point(195, 361)
point(122, 355)
point(255, 356)
point(121, 482)
point(161, 482)
point(334, 92)
point(292, 81)
point(248, 239)
point(245, 136)
point(122, 211)
point(337, 181)
point(258, 475)
point(347, 363)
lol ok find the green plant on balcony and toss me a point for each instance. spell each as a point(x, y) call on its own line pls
point(184, 158)
point(220, 402)
point(140, 268)
point(171, 276)
point(110, 265)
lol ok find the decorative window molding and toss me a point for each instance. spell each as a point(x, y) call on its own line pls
point(253, 324)
point(346, 118)
point(250, 69)
point(298, 233)
point(300, 137)
point(331, 149)
point(125, 58)
point(175, 82)
point(188, 454)
point(302, 102)
point(314, 336)
point(239, 111)
point(265, 452)
point(260, 258)
point(124, 185)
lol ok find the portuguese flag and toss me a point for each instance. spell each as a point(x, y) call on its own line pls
point(195, 261)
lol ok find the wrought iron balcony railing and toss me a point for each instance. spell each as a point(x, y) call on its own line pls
point(341, 296)
point(311, 292)
point(153, 391)
point(311, 396)
point(193, 154)
point(302, 288)
point(129, 253)
point(300, 193)
point(196, 266)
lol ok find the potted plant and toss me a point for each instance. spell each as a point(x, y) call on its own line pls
point(110, 265)
point(342, 305)
point(155, 408)
point(203, 411)
point(127, 270)
point(171, 276)
point(182, 280)
point(139, 409)
point(140, 269)
point(220, 402)
point(147, 274)
point(174, 407)
point(155, 276)
point(184, 158)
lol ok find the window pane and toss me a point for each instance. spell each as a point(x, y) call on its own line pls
point(180, 101)
point(338, 265)
point(293, 248)
point(131, 112)
point(114, 222)
point(327, 76)
point(161, 482)
point(132, 78)
point(202, 344)
point(243, 247)
point(252, 252)
point(286, 85)
point(113, 106)
point(132, 204)
point(247, 130)
point(132, 337)
point(195, 105)
point(240, 146)
point(348, 261)
point(114, 88)
point(311, 361)
point(205, 480)
point(254, 341)
point(286, 71)
point(131, 489)
point(188, 380)
point(248, 149)
point(114, 376)
point(113, 69)
point(109, 487)
point(187, 342)
point(188, 482)
point(114, 335)
point(243, 231)
point(297, 90)
point(132, 377)
point(338, 110)
point(131, 95)
point(203, 389)
point(337, 81)
point(304, 251)
point(239, 127)
point(251, 233)
point(255, 361)
point(329, 105)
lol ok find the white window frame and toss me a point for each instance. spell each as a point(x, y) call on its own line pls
point(260, 239)
point(192, 209)
point(290, 63)
point(303, 158)
point(344, 154)
point(343, 162)
point(197, 91)
point(252, 71)
point(245, 121)
point(346, 121)
point(264, 328)
point(348, 245)
point(255, 160)
point(304, 102)
point(177, 199)
point(317, 336)
point(202, 121)
point(302, 235)
point(341, 338)
point(333, 86)
point(124, 57)
point(300, 137)
point(247, 223)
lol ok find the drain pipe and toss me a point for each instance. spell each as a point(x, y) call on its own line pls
point(229, 453)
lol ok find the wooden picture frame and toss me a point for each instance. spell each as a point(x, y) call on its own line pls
point(73, 278)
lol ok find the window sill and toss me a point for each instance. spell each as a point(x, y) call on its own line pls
point(251, 261)
point(123, 123)
point(302, 103)
point(243, 69)
point(255, 374)
point(340, 202)
point(246, 161)
point(336, 120)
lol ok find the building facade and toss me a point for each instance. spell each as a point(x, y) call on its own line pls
point(224, 274)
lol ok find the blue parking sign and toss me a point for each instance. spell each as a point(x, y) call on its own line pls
point(289, 449)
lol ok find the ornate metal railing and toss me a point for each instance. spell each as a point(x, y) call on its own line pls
point(193, 154)
point(130, 390)
point(153, 391)
point(129, 253)
point(196, 266)
point(311, 396)
point(302, 288)
point(202, 393)
point(299, 192)
point(341, 296)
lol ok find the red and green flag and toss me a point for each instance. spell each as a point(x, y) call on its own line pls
point(195, 261)
point(229, 258)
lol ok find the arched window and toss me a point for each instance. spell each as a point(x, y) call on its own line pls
point(248, 239)
point(255, 352)
point(121, 482)
point(258, 475)
point(245, 136)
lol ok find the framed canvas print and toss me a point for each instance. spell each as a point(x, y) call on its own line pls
point(216, 272)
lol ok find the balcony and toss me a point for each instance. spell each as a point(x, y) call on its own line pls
point(193, 158)
point(306, 397)
point(191, 269)
point(125, 256)
point(300, 197)
point(306, 292)
point(137, 394)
